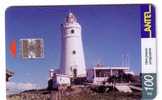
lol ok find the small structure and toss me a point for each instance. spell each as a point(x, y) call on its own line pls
point(9, 74)
point(61, 79)
point(56, 80)
point(100, 74)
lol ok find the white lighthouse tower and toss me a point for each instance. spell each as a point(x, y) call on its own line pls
point(72, 53)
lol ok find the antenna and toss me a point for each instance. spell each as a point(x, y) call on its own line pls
point(122, 56)
point(98, 62)
point(128, 61)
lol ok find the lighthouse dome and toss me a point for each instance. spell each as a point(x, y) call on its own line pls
point(71, 18)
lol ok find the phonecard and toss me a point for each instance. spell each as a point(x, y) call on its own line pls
point(81, 52)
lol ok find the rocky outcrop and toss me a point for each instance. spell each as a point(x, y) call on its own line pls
point(75, 93)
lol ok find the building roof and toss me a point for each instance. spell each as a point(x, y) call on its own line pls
point(9, 72)
point(114, 67)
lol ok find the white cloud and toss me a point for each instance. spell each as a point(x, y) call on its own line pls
point(13, 87)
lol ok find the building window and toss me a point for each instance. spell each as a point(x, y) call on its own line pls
point(74, 52)
point(72, 31)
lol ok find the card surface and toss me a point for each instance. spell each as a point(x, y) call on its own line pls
point(81, 52)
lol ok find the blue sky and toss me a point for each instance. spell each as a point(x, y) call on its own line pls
point(107, 31)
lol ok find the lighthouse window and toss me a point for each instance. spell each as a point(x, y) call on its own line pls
point(74, 52)
point(72, 31)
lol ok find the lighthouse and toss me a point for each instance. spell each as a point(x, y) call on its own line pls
point(72, 53)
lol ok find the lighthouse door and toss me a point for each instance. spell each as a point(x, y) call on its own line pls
point(75, 73)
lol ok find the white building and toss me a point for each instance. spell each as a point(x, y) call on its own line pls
point(72, 53)
point(58, 79)
point(99, 74)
